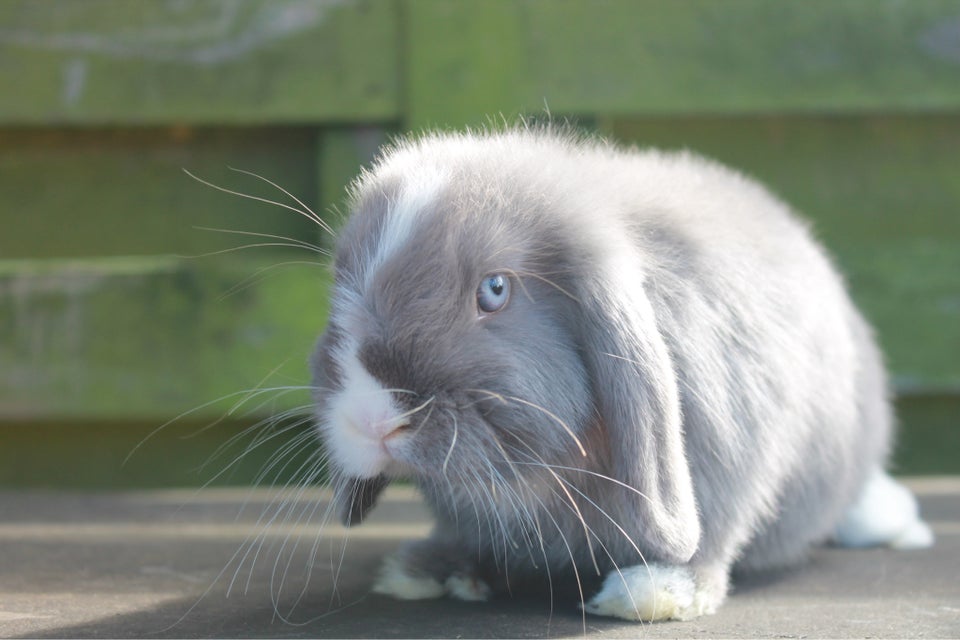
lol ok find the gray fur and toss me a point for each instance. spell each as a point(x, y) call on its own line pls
point(669, 315)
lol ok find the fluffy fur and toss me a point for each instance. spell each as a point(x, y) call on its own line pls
point(678, 386)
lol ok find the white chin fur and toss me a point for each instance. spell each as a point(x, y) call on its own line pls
point(357, 456)
point(885, 514)
point(355, 416)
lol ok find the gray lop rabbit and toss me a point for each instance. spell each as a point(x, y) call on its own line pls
point(596, 361)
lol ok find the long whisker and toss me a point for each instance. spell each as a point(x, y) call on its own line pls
point(307, 210)
point(566, 499)
point(267, 422)
point(285, 240)
point(291, 447)
point(504, 398)
point(245, 393)
point(453, 442)
point(260, 275)
point(311, 469)
point(416, 409)
point(591, 473)
point(314, 549)
point(261, 442)
point(239, 553)
point(507, 535)
point(339, 484)
point(530, 516)
point(261, 426)
point(490, 508)
point(277, 503)
point(538, 462)
point(252, 245)
point(523, 514)
point(310, 216)
point(282, 503)
point(547, 281)
point(566, 544)
point(573, 505)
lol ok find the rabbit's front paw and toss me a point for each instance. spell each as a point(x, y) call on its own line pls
point(399, 580)
point(653, 592)
point(466, 587)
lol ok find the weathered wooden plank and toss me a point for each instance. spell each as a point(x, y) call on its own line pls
point(72, 193)
point(342, 152)
point(201, 61)
point(110, 454)
point(884, 195)
point(467, 61)
point(881, 190)
point(149, 338)
point(188, 452)
point(928, 439)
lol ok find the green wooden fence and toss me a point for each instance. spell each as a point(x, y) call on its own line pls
point(120, 309)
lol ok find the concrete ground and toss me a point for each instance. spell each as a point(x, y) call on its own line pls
point(185, 564)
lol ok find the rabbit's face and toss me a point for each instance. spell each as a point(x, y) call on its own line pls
point(451, 350)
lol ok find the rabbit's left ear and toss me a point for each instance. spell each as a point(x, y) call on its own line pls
point(635, 391)
point(356, 499)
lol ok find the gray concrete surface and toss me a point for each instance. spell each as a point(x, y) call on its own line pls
point(186, 564)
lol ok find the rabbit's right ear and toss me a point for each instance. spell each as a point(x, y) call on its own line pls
point(635, 391)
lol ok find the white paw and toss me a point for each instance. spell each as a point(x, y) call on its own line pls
point(396, 581)
point(468, 588)
point(885, 513)
point(916, 536)
point(649, 593)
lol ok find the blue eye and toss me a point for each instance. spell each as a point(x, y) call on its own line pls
point(493, 293)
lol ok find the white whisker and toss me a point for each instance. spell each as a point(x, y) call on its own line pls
point(453, 442)
point(626, 536)
point(574, 506)
point(504, 398)
point(307, 214)
point(415, 410)
point(312, 215)
point(283, 241)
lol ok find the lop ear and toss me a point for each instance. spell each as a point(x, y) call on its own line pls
point(635, 391)
point(355, 500)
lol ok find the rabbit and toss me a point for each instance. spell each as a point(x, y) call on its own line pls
point(630, 370)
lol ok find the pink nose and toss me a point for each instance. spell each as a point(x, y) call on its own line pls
point(382, 428)
point(392, 429)
point(379, 425)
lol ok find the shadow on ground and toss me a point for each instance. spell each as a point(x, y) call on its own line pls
point(152, 565)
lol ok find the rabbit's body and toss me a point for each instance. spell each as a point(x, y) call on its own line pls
point(679, 378)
